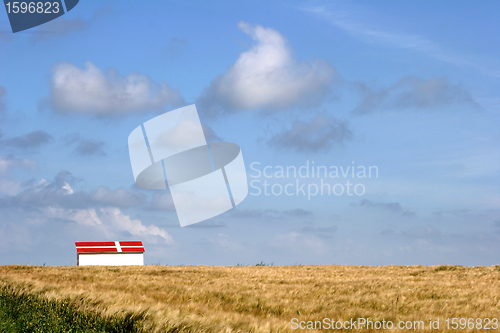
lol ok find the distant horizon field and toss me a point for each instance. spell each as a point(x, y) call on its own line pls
point(260, 298)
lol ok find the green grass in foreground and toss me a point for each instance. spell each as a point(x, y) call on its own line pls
point(26, 313)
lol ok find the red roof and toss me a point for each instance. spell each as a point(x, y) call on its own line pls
point(110, 247)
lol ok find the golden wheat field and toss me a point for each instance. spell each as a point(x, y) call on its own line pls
point(267, 298)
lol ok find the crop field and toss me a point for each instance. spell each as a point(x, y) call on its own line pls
point(242, 298)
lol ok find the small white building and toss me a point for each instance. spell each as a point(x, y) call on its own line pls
point(115, 253)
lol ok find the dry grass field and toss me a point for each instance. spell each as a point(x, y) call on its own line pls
point(266, 298)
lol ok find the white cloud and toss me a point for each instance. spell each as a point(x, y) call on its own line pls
point(68, 188)
point(88, 90)
point(45, 210)
point(117, 220)
point(266, 76)
point(110, 222)
point(59, 193)
point(85, 217)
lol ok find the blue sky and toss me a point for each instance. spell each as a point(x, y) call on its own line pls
point(411, 88)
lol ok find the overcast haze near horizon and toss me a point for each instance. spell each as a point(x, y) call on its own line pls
point(409, 88)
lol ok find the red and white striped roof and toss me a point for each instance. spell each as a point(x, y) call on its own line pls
point(110, 247)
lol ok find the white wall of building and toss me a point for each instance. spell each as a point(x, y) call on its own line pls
point(110, 259)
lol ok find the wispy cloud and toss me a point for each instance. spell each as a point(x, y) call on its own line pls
point(345, 20)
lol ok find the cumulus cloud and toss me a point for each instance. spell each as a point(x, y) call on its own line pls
point(50, 203)
point(34, 139)
point(411, 92)
point(90, 91)
point(43, 193)
point(59, 193)
point(319, 134)
point(48, 210)
point(117, 220)
point(111, 222)
point(85, 217)
point(267, 77)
